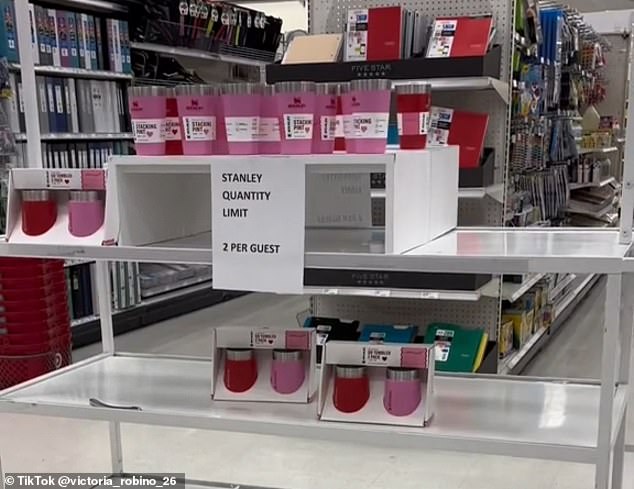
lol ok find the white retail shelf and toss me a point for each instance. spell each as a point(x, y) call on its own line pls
point(94, 5)
point(196, 53)
point(499, 416)
point(608, 149)
point(467, 250)
point(70, 136)
point(512, 291)
point(491, 289)
point(496, 192)
point(559, 288)
point(84, 320)
point(160, 291)
point(602, 183)
point(76, 72)
point(462, 83)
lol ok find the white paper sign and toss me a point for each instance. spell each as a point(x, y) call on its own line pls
point(258, 225)
point(338, 200)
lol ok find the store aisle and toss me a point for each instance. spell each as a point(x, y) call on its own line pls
point(575, 351)
point(35, 443)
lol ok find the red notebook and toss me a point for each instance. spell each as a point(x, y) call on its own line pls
point(374, 34)
point(457, 128)
point(454, 37)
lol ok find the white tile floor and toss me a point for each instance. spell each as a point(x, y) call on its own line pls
point(50, 444)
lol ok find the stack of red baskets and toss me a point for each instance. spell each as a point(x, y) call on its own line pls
point(35, 333)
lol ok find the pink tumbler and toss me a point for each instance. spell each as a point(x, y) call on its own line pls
point(325, 118)
point(296, 110)
point(197, 111)
point(369, 103)
point(241, 106)
point(269, 126)
point(85, 212)
point(402, 391)
point(147, 111)
point(288, 371)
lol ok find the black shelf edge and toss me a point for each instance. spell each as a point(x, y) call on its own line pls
point(147, 314)
point(398, 69)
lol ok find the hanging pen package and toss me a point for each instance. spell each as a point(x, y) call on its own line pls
point(377, 383)
point(263, 364)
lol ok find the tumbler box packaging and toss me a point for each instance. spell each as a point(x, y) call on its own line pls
point(57, 206)
point(263, 364)
point(377, 383)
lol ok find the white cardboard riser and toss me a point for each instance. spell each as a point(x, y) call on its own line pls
point(173, 200)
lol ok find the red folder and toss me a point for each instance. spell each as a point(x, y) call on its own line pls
point(384, 33)
point(454, 37)
point(457, 128)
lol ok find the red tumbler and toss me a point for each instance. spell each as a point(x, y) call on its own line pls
point(241, 370)
point(39, 212)
point(413, 103)
point(352, 388)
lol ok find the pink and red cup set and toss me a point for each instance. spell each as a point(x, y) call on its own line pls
point(39, 212)
point(401, 396)
point(288, 370)
point(296, 117)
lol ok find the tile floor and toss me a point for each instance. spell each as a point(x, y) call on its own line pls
point(48, 444)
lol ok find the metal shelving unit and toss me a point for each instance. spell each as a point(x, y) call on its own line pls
point(76, 72)
point(70, 136)
point(138, 387)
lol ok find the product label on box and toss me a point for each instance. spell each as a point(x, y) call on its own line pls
point(413, 123)
point(258, 215)
point(63, 179)
point(263, 339)
point(439, 126)
point(172, 129)
point(242, 129)
point(269, 130)
point(327, 126)
point(339, 125)
point(199, 128)
point(377, 355)
point(147, 131)
point(442, 38)
point(298, 126)
point(443, 344)
point(369, 125)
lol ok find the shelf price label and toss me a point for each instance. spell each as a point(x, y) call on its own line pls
point(258, 216)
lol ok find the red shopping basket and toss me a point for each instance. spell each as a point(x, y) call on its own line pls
point(27, 303)
point(17, 369)
point(31, 289)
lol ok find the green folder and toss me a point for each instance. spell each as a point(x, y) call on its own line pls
point(456, 346)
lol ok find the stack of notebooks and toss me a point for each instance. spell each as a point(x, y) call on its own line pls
point(82, 155)
point(81, 290)
point(458, 349)
point(388, 33)
point(69, 39)
point(82, 298)
point(69, 105)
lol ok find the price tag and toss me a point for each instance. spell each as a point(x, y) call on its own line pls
point(429, 295)
point(258, 208)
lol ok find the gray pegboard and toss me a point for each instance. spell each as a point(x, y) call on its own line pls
point(484, 313)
